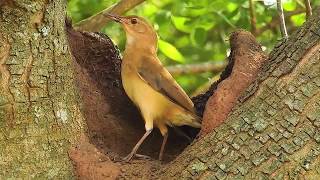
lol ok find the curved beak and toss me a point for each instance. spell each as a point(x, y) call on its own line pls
point(113, 17)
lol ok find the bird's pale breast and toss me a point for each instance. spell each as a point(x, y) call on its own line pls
point(152, 104)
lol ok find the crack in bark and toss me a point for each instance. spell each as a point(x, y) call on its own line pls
point(34, 146)
point(50, 100)
point(25, 77)
point(311, 103)
point(5, 77)
point(315, 32)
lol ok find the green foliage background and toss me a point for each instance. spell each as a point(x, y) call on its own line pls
point(195, 31)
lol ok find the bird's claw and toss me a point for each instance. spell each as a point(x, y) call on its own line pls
point(128, 158)
point(140, 156)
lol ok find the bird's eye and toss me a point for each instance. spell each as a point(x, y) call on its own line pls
point(134, 21)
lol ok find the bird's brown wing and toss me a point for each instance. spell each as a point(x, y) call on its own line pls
point(161, 80)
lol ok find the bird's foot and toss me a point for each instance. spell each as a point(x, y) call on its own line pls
point(140, 156)
point(128, 157)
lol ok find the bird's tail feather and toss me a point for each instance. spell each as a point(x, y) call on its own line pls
point(186, 118)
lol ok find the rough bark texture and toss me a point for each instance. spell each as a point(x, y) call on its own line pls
point(274, 131)
point(40, 116)
point(247, 59)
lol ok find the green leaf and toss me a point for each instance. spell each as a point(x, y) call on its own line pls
point(196, 11)
point(198, 36)
point(180, 23)
point(225, 19)
point(150, 9)
point(182, 42)
point(232, 7)
point(170, 51)
point(298, 19)
point(289, 5)
point(217, 6)
point(206, 22)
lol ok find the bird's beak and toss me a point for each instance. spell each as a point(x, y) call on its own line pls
point(113, 17)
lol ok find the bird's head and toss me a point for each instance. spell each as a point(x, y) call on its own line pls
point(137, 29)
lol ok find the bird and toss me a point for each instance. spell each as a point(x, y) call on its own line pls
point(160, 99)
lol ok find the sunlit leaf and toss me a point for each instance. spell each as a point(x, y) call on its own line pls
point(150, 10)
point(289, 5)
point(182, 42)
point(180, 23)
point(196, 10)
point(299, 19)
point(218, 5)
point(207, 22)
point(231, 7)
point(170, 51)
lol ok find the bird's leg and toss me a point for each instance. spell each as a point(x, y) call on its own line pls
point(136, 147)
point(164, 142)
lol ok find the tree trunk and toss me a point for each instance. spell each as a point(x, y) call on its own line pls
point(40, 114)
point(274, 131)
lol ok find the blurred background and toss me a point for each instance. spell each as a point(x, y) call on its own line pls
point(197, 31)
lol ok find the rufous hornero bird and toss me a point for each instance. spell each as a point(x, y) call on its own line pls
point(160, 99)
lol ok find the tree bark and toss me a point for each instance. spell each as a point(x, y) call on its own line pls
point(274, 131)
point(40, 114)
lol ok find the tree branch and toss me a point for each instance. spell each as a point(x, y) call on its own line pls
point(283, 27)
point(275, 21)
point(308, 8)
point(252, 17)
point(97, 21)
point(196, 68)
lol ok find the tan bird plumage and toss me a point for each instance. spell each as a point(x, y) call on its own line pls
point(149, 85)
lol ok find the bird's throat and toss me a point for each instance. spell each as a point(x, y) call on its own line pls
point(137, 44)
point(130, 40)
